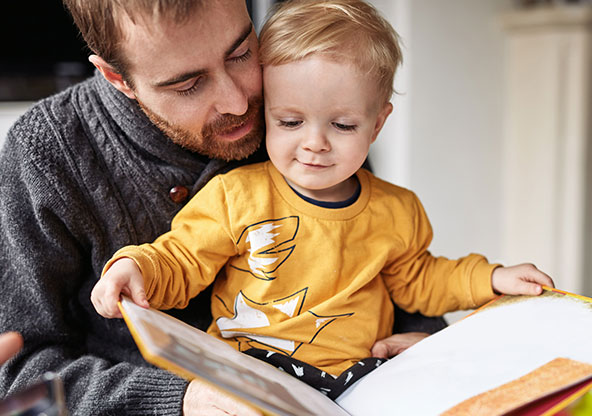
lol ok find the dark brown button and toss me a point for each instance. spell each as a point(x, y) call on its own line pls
point(179, 194)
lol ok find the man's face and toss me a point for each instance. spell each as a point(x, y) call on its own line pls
point(200, 82)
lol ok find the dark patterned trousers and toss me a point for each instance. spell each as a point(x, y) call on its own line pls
point(314, 377)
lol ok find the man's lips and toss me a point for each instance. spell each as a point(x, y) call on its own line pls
point(237, 132)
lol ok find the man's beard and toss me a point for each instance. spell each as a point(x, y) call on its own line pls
point(207, 142)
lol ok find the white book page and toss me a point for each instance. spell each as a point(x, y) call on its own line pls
point(500, 343)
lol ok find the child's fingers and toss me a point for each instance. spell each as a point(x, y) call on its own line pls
point(544, 279)
point(137, 293)
point(529, 288)
point(109, 300)
point(522, 279)
point(532, 274)
point(96, 298)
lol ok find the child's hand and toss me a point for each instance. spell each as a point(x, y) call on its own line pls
point(123, 277)
point(523, 279)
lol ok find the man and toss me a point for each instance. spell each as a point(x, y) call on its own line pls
point(108, 163)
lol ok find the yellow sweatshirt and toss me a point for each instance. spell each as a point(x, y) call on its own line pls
point(310, 282)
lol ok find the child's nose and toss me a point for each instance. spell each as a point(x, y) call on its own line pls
point(316, 142)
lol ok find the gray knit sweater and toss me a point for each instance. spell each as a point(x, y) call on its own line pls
point(82, 174)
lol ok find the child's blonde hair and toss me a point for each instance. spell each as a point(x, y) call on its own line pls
point(348, 30)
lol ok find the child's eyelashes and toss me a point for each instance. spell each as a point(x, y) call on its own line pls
point(345, 127)
point(292, 124)
point(289, 124)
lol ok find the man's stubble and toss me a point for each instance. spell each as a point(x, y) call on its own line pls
point(207, 142)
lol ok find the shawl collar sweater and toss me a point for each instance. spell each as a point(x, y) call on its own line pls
point(82, 174)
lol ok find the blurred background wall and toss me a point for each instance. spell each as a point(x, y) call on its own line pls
point(490, 127)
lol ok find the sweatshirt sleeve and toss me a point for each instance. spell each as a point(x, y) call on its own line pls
point(45, 281)
point(181, 263)
point(420, 282)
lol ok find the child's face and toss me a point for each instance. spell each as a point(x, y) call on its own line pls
point(321, 117)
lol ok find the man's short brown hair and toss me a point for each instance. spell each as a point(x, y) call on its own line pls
point(99, 22)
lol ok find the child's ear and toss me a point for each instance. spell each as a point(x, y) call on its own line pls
point(381, 119)
point(112, 75)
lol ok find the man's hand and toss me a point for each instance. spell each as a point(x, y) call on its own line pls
point(396, 344)
point(203, 400)
point(123, 277)
point(10, 344)
point(523, 279)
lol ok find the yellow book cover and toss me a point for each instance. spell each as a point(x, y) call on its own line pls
point(190, 353)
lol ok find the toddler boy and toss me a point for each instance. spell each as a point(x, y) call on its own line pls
point(307, 252)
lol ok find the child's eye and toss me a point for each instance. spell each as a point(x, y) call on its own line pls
point(290, 124)
point(345, 127)
point(190, 88)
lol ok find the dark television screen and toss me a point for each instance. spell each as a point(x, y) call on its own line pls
point(40, 51)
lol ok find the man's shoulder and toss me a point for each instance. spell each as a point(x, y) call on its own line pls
point(50, 116)
point(45, 147)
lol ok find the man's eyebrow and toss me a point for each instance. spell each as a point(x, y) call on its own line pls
point(244, 35)
point(193, 74)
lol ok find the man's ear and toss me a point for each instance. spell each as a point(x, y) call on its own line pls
point(112, 76)
point(381, 119)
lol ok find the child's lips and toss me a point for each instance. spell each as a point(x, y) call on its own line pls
point(315, 165)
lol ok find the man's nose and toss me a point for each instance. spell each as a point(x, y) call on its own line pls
point(230, 96)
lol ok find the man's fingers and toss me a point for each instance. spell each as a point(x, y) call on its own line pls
point(380, 350)
point(396, 344)
point(203, 400)
point(10, 344)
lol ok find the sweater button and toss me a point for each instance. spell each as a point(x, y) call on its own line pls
point(178, 194)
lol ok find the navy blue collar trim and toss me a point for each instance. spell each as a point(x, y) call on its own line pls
point(332, 205)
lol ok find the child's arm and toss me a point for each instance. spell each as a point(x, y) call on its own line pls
point(522, 279)
point(419, 281)
point(179, 264)
point(123, 277)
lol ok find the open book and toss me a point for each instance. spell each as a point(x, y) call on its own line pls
point(514, 352)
